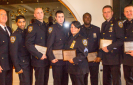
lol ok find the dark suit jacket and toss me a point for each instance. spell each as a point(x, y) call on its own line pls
point(92, 34)
point(80, 65)
point(128, 29)
point(36, 34)
point(5, 61)
point(112, 30)
point(18, 52)
point(56, 41)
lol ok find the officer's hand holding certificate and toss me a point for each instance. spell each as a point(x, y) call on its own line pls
point(128, 46)
point(69, 54)
point(91, 56)
point(58, 54)
point(41, 49)
point(105, 43)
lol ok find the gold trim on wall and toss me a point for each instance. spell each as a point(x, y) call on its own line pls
point(68, 9)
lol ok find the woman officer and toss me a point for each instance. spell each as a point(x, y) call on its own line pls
point(78, 66)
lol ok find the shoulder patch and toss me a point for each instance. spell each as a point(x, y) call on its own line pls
point(12, 39)
point(85, 42)
point(30, 28)
point(120, 24)
point(50, 29)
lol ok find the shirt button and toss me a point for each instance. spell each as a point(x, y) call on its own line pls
point(2, 58)
point(125, 37)
point(23, 46)
point(103, 33)
point(60, 39)
point(41, 37)
point(23, 61)
point(3, 41)
point(87, 38)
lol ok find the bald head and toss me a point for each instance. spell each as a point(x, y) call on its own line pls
point(38, 14)
point(3, 17)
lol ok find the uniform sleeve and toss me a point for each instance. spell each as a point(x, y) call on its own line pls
point(14, 52)
point(100, 51)
point(82, 53)
point(50, 42)
point(30, 42)
point(119, 32)
point(98, 37)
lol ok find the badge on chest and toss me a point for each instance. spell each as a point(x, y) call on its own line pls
point(111, 28)
point(94, 35)
point(73, 44)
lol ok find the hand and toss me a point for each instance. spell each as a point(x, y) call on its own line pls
point(43, 57)
point(98, 59)
point(105, 49)
point(130, 52)
point(54, 60)
point(1, 69)
point(21, 71)
point(71, 61)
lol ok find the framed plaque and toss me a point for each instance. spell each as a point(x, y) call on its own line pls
point(41, 49)
point(69, 54)
point(91, 56)
point(128, 46)
point(58, 54)
point(105, 42)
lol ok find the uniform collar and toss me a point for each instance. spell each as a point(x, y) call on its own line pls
point(76, 35)
point(129, 21)
point(87, 27)
point(20, 30)
point(59, 25)
point(111, 20)
point(38, 22)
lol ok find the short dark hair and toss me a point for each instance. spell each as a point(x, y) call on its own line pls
point(76, 24)
point(128, 5)
point(59, 11)
point(20, 17)
point(108, 6)
point(32, 21)
point(86, 13)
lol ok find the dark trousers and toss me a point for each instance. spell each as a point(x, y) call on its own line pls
point(41, 75)
point(77, 79)
point(128, 74)
point(31, 75)
point(25, 78)
point(6, 77)
point(111, 73)
point(94, 70)
point(60, 75)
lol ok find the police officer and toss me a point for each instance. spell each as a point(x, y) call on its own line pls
point(5, 61)
point(110, 55)
point(78, 66)
point(37, 35)
point(56, 41)
point(128, 57)
point(92, 34)
point(19, 54)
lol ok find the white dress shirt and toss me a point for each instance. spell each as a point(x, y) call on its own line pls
point(6, 29)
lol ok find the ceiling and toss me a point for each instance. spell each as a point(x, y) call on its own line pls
point(27, 9)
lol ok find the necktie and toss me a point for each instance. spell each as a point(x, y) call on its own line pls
point(6, 30)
